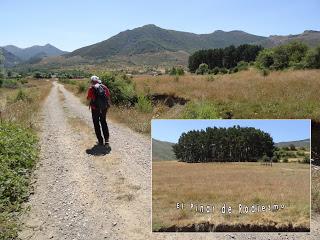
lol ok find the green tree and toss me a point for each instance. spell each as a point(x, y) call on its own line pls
point(203, 69)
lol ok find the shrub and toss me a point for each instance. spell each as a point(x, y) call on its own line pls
point(223, 70)
point(215, 71)
point(1, 81)
point(242, 65)
point(275, 159)
point(10, 83)
point(292, 147)
point(202, 69)
point(265, 158)
point(265, 59)
point(312, 59)
point(18, 154)
point(22, 96)
point(285, 160)
point(306, 159)
point(200, 110)
point(144, 104)
point(122, 92)
point(82, 87)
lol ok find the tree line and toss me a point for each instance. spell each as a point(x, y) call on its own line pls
point(234, 144)
point(296, 55)
point(223, 57)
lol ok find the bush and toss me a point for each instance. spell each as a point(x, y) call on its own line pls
point(144, 104)
point(22, 96)
point(202, 69)
point(265, 158)
point(1, 82)
point(82, 87)
point(215, 71)
point(275, 159)
point(312, 59)
point(265, 59)
point(223, 70)
point(122, 91)
point(10, 83)
point(285, 160)
point(242, 65)
point(306, 159)
point(18, 154)
point(200, 110)
point(265, 72)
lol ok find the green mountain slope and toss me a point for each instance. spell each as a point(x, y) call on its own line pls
point(162, 150)
point(152, 39)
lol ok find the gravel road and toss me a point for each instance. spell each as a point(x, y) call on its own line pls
point(80, 196)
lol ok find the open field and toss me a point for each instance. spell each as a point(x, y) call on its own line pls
point(232, 184)
point(246, 94)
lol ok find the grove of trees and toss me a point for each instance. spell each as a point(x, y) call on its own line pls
point(295, 55)
point(223, 57)
point(234, 144)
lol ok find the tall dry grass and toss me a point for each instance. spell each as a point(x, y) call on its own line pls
point(247, 94)
point(230, 183)
point(24, 111)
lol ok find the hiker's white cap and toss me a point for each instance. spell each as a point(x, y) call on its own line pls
point(95, 78)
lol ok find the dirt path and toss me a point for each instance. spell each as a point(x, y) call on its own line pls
point(79, 196)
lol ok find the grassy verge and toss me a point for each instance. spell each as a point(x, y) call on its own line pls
point(232, 184)
point(19, 150)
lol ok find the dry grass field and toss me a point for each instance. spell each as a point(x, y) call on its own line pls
point(247, 94)
point(232, 184)
point(22, 104)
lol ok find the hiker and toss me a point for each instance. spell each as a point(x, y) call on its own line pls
point(99, 101)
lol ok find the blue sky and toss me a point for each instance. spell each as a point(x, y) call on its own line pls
point(280, 130)
point(76, 23)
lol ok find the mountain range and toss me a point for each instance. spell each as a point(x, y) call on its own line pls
point(152, 45)
point(15, 55)
point(162, 150)
point(153, 40)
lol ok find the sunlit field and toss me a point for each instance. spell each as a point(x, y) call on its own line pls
point(215, 184)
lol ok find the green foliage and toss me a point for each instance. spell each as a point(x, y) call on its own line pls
point(312, 59)
point(82, 87)
point(215, 71)
point(22, 95)
point(242, 65)
point(227, 57)
point(306, 159)
point(200, 110)
point(202, 69)
point(275, 159)
point(224, 145)
point(295, 55)
point(285, 160)
point(265, 158)
point(18, 154)
point(144, 104)
point(9, 83)
point(122, 90)
point(176, 71)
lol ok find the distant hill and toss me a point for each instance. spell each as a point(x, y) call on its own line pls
point(153, 39)
point(162, 150)
point(26, 54)
point(309, 37)
point(300, 143)
point(10, 59)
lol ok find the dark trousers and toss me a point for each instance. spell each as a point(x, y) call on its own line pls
point(99, 117)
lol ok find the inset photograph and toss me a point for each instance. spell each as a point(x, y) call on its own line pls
point(231, 175)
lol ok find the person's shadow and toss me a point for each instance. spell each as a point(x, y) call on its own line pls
point(99, 150)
